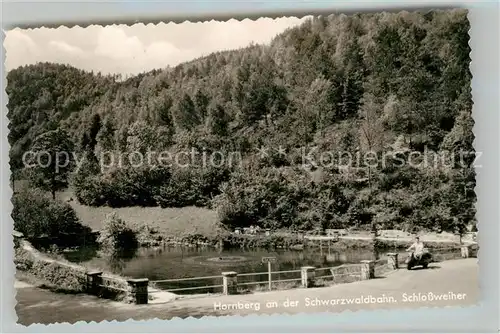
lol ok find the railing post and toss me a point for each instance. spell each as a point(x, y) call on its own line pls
point(392, 261)
point(367, 269)
point(465, 250)
point(138, 290)
point(94, 281)
point(308, 275)
point(230, 283)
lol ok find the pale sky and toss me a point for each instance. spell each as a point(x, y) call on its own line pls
point(138, 48)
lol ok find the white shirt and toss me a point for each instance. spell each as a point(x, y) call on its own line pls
point(418, 247)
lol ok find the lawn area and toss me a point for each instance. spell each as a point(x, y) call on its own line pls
point(170, 222)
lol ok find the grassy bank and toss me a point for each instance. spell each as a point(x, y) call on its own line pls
point(155, 224)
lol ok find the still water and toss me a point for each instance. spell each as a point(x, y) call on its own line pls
point(182, 262)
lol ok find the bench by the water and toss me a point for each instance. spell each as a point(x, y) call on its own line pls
point(252, 230)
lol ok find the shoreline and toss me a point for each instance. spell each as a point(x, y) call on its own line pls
point(295, 243)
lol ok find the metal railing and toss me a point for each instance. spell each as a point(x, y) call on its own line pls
point(380, 262)
point(339, 274)
point(342, 273)
point(185, 279)
point(261, 281)
point(110, 287)
point(191, 288)
point(188, 279)
point(269, 281)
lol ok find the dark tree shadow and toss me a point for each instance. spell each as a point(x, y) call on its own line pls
point(430, 267)
point(81, 254)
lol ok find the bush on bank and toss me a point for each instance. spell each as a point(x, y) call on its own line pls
point(117, 238)
point(45, 221)
point(52, 275)
point(273, 241)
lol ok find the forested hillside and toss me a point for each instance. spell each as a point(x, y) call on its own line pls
point(378, 83)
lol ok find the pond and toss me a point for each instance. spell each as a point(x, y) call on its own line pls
point(182, 262)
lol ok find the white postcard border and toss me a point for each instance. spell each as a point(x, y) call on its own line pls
point(484, 33)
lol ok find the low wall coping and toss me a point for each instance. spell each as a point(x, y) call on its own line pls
point(94, 273)
point(308, 268)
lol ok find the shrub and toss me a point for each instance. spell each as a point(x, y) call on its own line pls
point(37, 216)
point(117, 238)
point(265, 242)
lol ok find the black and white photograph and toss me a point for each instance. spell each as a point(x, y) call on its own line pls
point(279, 165)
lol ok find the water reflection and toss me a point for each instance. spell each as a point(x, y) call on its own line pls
point(82, 254)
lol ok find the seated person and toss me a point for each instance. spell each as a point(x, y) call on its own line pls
point(418, 248)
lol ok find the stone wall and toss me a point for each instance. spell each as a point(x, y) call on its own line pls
point(62, 276)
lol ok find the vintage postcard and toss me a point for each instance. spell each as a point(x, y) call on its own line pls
point(279, 165)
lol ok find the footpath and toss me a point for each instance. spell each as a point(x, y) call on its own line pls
point(449, 283)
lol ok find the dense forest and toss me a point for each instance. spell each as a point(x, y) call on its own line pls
point(384, 82)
